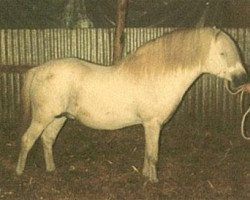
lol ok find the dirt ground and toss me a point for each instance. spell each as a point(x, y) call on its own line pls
point(196, 162)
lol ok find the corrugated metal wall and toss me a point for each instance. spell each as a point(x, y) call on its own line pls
point(207, 99)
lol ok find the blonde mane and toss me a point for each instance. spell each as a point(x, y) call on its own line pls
point(180, 49)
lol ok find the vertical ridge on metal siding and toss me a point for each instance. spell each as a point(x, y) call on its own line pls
point(11, 99)
point(1, 96)
point(9, 46)
point(73, 43)
point(28, 46)
point(2, 45)
point(34, 47)
point(63, 44)
point(99, 49)
point(40, 47)
point(16, 95)
point(88, 43)
point(79, 44)
point(106, 47)
point(4, 114)
point(112, 32)
point(93, 46)
point(15, 47)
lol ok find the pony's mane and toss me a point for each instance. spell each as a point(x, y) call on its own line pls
point(184, 49)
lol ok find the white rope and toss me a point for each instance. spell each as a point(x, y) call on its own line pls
point(241, 102)
point(238, 90)
point(243, 125)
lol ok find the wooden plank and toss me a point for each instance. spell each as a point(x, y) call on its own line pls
point(119, 30)
point(12, 69)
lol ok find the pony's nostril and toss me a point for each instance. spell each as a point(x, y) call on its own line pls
point(240, 79)
point(245, 77)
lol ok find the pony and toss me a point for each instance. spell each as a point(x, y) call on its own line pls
point(144, 88)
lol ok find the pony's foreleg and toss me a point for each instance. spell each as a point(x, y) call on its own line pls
point(152, 132)
point(28, 139)
point(48, 137)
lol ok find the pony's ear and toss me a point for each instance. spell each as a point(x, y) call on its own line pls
point(216, 33)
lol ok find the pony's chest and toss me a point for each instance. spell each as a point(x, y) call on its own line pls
point(160, 102)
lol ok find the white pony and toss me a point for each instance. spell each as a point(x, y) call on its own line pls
point(144, 88)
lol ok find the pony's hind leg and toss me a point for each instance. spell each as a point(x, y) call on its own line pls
point(48, 137)
point(152, 132)
point(28, 139)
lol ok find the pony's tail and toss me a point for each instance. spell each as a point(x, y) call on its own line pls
point(25, 114)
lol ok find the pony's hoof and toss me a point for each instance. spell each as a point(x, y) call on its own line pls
point(50, 169)
point(153, 180)
point(152, 177)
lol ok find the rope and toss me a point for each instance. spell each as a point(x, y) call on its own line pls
point(240, 90)
point(243, 125)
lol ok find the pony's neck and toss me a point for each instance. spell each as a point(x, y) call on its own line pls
point(168, 91)
point(187, 77)
point(181, 80)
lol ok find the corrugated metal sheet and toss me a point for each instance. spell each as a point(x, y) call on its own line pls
point(33, 47)
point(207, 99)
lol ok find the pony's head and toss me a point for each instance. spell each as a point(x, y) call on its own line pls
point(224, 59)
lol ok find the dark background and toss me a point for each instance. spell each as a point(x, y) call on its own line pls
point(141, 13)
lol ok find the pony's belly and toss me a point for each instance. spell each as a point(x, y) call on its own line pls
point(108, 121)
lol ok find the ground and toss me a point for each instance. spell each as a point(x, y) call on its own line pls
point(196, 162)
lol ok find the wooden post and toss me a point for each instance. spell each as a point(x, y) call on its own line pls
point(119, 30)
point(202, 21)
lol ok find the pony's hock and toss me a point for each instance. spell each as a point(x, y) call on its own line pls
point(144, 88)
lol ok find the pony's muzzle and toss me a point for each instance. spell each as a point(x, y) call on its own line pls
point(240, 79)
